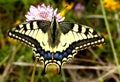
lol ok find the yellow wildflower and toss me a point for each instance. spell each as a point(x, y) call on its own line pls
point(100, 46)
point(62, 13)
point(66, 6)
point(10, 39)
point(17, 22)
point(111, 4)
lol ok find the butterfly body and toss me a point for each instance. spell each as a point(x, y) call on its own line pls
point(55, 42)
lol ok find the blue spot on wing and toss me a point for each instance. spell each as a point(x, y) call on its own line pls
point(56, 55)
point(45, 55)
point(69, 51)
point(60, 56)
point(42, 52)
point(39, 49)
point(49, 55)
point(64, 54)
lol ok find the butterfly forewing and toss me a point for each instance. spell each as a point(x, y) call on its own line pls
point(80, 35)
point(29, 32)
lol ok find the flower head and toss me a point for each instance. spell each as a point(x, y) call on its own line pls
point(42, 12)
point(67, 6)
point(79, 6)
point(111, 4)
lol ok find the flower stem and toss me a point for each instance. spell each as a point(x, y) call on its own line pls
point(34, 69)
point(110, 37)
point(117, 23)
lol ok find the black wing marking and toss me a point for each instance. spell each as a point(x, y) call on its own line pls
point(65, 27)
point(78, 37)
point(28, 30)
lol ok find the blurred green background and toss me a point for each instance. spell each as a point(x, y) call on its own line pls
point(96, 64)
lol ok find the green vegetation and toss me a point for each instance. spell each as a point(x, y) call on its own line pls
point(98, 64)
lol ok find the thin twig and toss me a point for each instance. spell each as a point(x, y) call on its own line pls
point(116, 78)
point(72, 75)
point(96, 56)
point(94, 16)
point(5, 59)
point(66, 66)
point(108, 73)
point(102, 17)
point(8, 67)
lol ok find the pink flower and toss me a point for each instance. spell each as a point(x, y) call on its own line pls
point(79, 6)
point(42, 12)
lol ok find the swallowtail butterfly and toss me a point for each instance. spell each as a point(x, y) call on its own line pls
point(55, 42)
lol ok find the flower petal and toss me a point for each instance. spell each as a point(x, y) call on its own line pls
point(42, 12)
